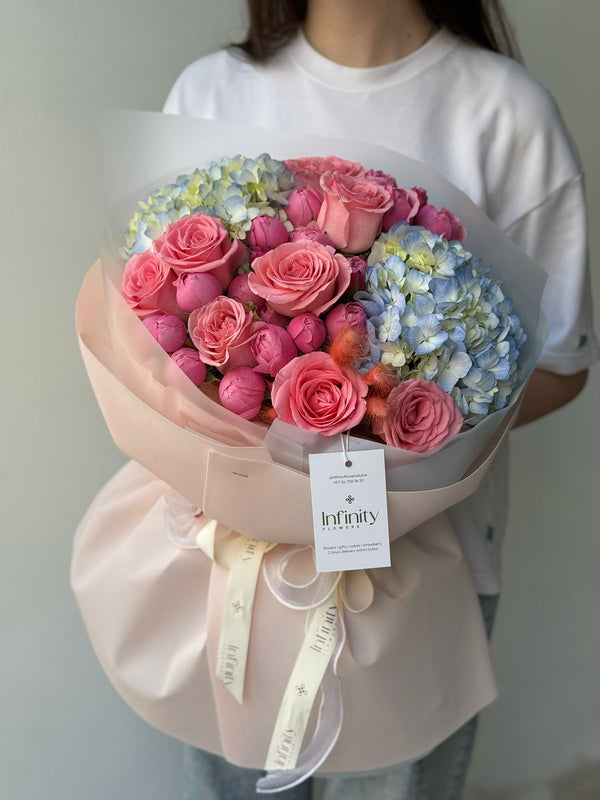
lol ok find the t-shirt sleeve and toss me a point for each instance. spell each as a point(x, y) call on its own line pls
point(554, 235)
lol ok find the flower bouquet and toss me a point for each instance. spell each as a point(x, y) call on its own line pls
point(268, 306)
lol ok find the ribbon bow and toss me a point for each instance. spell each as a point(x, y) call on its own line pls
point(324, 596)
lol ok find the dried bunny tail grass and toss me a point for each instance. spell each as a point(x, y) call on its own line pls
point(380, 379)
point(346, 347)
point(267, 414)
point(377, 407)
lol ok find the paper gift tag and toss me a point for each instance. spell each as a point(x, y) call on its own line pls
point(349, 504)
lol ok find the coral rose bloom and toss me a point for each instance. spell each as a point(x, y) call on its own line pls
point(313, 393)
point(421, 416)
point(223, 331)
point(352, 211)
point(199, 243)
point(300, 277)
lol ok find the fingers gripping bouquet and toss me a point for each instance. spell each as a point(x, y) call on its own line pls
point(265, 307)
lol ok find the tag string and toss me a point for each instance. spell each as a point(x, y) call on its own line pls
point(345, 444)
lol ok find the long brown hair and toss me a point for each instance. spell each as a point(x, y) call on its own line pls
point(273, 23)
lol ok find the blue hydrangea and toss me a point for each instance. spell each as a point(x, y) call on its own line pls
point(434, 312)
point(234, 189)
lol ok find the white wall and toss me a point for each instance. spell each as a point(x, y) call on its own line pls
point(65, 733)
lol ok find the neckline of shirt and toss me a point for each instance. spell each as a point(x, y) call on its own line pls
point(354, 79)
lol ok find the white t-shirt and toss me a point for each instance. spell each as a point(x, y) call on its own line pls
point(481, 121)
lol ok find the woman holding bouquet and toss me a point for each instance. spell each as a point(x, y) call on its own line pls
point(429, 79)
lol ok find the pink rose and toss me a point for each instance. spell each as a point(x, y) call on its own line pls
point(313, 393)
point(147, 285)
point(352, 211)
point(382, 178)
point(200, 243)
point(312, 232)
point(309, 170)
point(272, 348)
point(308, 332)
point(239, 289)
point(443, 222)
point(195, 289)
point(188, 361)
point(257, 252)
point(420, 417)
point(405, 208)
point(242, 391)
point(266, 233)
point(303, 206)
point(358, 268)
point(223, 331)
point(272, 317)
point(300, 276)
point(346, 316)
point(421, 194)
point(168, 330)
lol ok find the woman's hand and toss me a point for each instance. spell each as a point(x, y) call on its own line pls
point(547, 391)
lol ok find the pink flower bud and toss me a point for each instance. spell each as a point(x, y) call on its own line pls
point(344, 316)
point(196, 289)
point(443, 222)
point(358, 267)
point(312, 232)
point(308, 332)
point(267, 232)
point(303, 206)
point(267, 314)
point(382, 178)
point(272, 347)
point(242, 391)
point(188, 361)
point(421, 194)
point(257, 252)
point(168, 330)
point(239, 289)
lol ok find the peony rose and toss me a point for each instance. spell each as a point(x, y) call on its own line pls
point(200, 243)
point(358, 269)
point(420, 417)
point(188, 361)
point(223, 331)
point(313, 393)
point(352, 211)
point(308, 332)
point(257, 252)
point(312, 232)
point(242, 391)
point(382, 178)
point(266, 233)
point(272, 317)
point(406, 207)
point(239, 289)
point(147, 285)
point(309, 170)
point(195, 289)
point(421, 194)
point(443, 222)
point(272, 348)
point(303, 206)
point(300, 276)
point(168, 330)
point(346, 316)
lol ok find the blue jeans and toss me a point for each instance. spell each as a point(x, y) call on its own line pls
point(440, 775)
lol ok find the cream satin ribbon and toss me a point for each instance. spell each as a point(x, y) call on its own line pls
point(325, 596)
point(242, 556)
